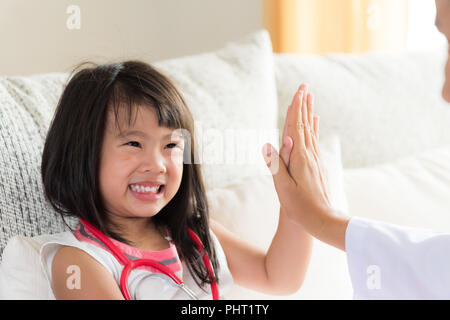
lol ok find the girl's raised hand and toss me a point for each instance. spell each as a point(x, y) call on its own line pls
point(299, 176)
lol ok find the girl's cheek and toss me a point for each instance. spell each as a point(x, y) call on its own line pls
point(125, 157)
point(179, 166)
point(176, 162)
point(176, 157)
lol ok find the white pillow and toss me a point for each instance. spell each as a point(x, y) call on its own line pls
point(250, 209)
point(21, 275)
point(413, 191)
point(232, 95)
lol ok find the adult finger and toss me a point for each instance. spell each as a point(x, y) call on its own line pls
point(307, 102)
point(316, 126)
point(315, 135)
point(318, 156)
point(310, 107)
point(285, 119)
point(295, 126)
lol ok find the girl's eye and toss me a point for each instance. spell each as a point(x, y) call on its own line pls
point(172, 145)
point(134, 142)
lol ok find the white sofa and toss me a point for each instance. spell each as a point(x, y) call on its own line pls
point(383, 131)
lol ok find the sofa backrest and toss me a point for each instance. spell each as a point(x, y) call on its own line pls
point(383, 106)
point(26, 109)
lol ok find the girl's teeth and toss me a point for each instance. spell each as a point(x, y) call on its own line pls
point(144, 189)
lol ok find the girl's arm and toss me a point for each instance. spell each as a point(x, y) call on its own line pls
point(95, 282)
point(281, 270)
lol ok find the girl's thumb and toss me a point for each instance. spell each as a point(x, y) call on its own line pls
point(275, 164)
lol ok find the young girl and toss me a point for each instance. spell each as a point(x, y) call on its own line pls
point(114, 159)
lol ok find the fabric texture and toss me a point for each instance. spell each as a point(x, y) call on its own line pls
point(388, 261)
point(26, 109)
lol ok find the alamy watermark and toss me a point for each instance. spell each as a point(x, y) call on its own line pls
point(232, 146)
point(73, 21)
point(74, 280)
point(373, 19)
point(373, 281)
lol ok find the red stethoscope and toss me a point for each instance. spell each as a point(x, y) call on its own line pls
point(133, 264)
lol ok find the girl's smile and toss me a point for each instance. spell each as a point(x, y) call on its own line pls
point(147, 191)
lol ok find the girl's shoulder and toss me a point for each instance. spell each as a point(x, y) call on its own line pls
point(65, 255)
point(77, 275)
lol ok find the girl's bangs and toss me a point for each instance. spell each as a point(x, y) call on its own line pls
point(127, 101)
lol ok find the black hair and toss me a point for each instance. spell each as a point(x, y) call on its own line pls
point(71, 155)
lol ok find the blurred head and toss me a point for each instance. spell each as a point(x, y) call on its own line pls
point(113, 130)
point(443, 25)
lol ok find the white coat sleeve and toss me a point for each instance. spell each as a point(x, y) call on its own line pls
point(386, 261)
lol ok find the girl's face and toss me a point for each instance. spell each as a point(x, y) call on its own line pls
point(140, 169)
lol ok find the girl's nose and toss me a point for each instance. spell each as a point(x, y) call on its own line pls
point(154, 164)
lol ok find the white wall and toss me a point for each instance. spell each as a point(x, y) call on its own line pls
point(35, 37)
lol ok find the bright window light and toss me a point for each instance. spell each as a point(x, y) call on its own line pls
point(422, 33)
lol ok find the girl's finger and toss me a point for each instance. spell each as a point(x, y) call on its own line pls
point(286, 149)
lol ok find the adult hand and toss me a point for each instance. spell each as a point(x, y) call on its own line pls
point(299, 176)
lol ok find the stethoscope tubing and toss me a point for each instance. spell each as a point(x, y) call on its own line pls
point(129, 265)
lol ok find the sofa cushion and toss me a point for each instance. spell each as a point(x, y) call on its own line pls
point(383, 106)
point(412, 191)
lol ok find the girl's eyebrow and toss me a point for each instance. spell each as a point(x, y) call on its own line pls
point(132, 133)
point(143, 134)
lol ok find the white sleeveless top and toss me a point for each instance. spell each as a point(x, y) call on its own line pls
point(143, 282)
